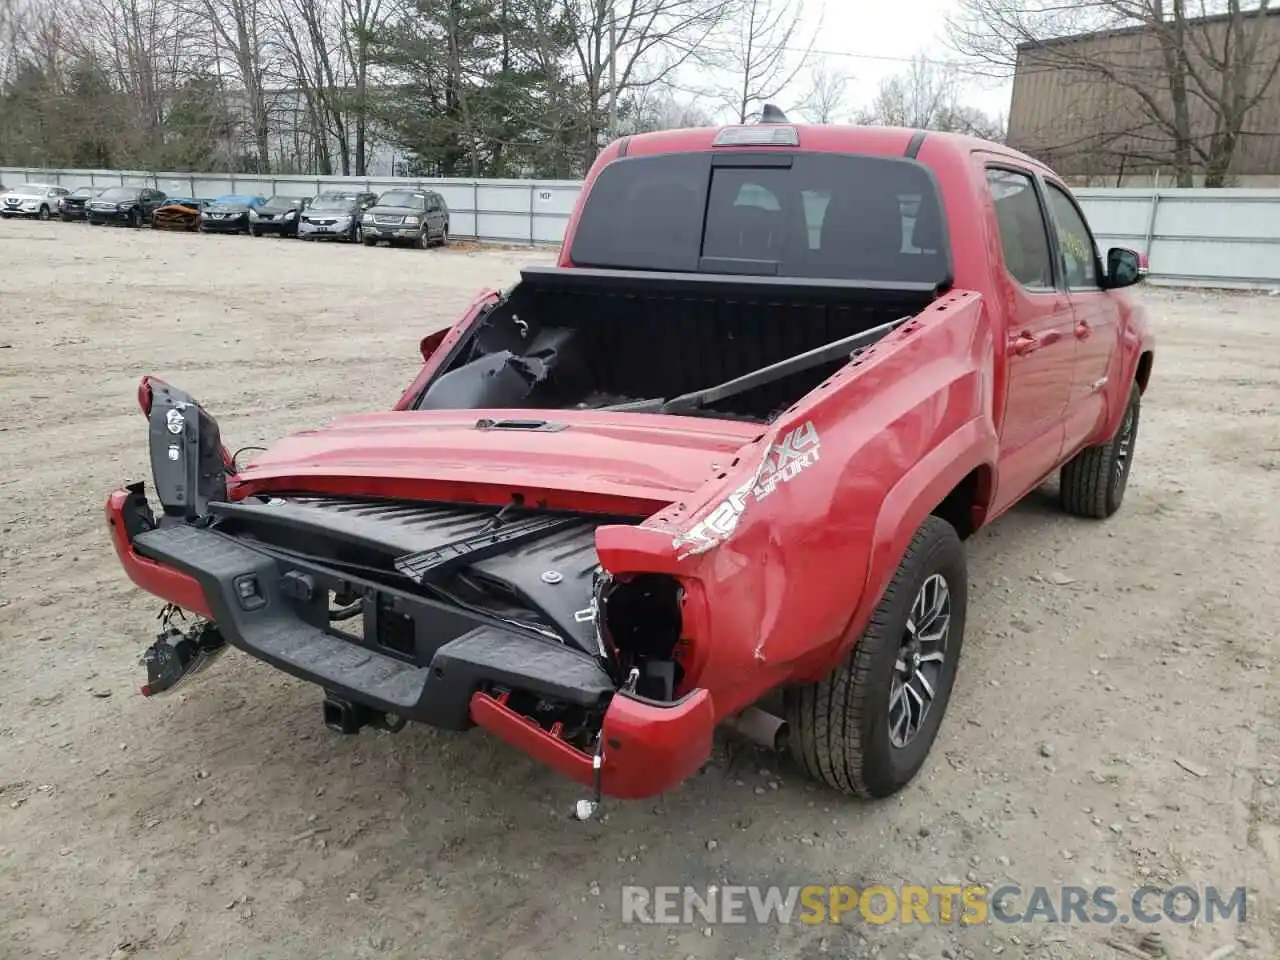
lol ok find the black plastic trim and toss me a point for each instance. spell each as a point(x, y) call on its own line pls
point(916, 142)
point(586, 278)
point(285, 634)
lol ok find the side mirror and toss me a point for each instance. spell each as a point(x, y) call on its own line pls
point(1125, 267)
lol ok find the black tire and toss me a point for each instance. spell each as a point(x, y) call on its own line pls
point(253, 233)
point(444, 235)
point(840, 726)
point(43, 214)
point(1093, 482)
point(423, 240)
point(135, 219)
point(370, 241)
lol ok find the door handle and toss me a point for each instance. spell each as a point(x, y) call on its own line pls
point(1025, 343)
point(1083, 330)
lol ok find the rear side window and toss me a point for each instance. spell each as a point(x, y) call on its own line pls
point(1024, 237)
point(815, 216)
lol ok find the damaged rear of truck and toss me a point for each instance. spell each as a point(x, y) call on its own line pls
point(728, 446)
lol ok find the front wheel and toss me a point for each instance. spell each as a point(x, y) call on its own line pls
point(1092, 483)
point(135, 219)
point(44, 213)
point(867, 727)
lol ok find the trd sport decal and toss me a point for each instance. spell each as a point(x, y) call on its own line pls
point(782, 464)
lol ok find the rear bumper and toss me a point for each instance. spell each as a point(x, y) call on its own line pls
point(479, 677)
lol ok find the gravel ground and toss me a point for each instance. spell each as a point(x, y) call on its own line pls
point(1114, 721)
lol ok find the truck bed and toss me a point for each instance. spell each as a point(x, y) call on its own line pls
point(582, 339)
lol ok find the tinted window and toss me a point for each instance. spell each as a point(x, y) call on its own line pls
point(120, 193)
point(1079, 255)
point(332, 203)
point(1023, 234)
point(824, 216)
point(402, 198)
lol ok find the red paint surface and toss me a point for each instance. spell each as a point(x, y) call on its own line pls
point(164, 582)
point(785, 594)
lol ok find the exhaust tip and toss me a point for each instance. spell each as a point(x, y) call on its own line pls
point(761, 728)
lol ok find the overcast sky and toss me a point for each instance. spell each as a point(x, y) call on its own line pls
point(872, 41)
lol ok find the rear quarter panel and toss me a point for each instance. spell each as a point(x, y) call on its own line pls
point(786, 554)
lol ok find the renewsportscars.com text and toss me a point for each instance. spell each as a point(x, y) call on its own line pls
point(939, 904)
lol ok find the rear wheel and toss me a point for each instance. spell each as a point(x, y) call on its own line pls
point(867, 727)
point(1093, 482)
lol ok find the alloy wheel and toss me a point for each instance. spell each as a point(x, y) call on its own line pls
point(1124, 447)
point(920, 662)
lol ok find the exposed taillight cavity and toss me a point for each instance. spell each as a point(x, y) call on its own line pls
point(642, 622)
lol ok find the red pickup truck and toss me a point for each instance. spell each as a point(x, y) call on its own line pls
point(726, 450)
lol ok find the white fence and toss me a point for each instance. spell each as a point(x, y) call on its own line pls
point(506, 211)
point(1193, 237)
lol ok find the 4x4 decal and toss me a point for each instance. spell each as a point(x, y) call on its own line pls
point(797, 451)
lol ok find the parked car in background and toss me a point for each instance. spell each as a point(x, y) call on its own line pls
point(39, 200)
point(131, 206)
point(336, 215)
point(178, 213)
point(229, 213)
point(279, 215)
point(71, 207)
point(414, 216)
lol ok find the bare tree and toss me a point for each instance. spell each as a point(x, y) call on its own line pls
point(758, 54)
point(926, 96)
point(661, 108)
point(828, 87)
point(1188, 81)
point(308, 37)
point(240, 32)
point(361, 19)
point(921, 96)
point(623, 45)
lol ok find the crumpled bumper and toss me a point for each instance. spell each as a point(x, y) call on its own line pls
point(648, 747)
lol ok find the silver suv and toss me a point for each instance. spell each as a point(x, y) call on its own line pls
point(39, 200)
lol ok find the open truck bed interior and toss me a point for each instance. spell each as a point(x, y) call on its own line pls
point(583, 339)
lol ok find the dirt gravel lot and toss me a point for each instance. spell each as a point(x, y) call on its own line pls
point(1114, 722)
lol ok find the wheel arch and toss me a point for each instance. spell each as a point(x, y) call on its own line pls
point(953, 481)
point(1142, 375)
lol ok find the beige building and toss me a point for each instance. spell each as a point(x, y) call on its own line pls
point(1090, 105)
